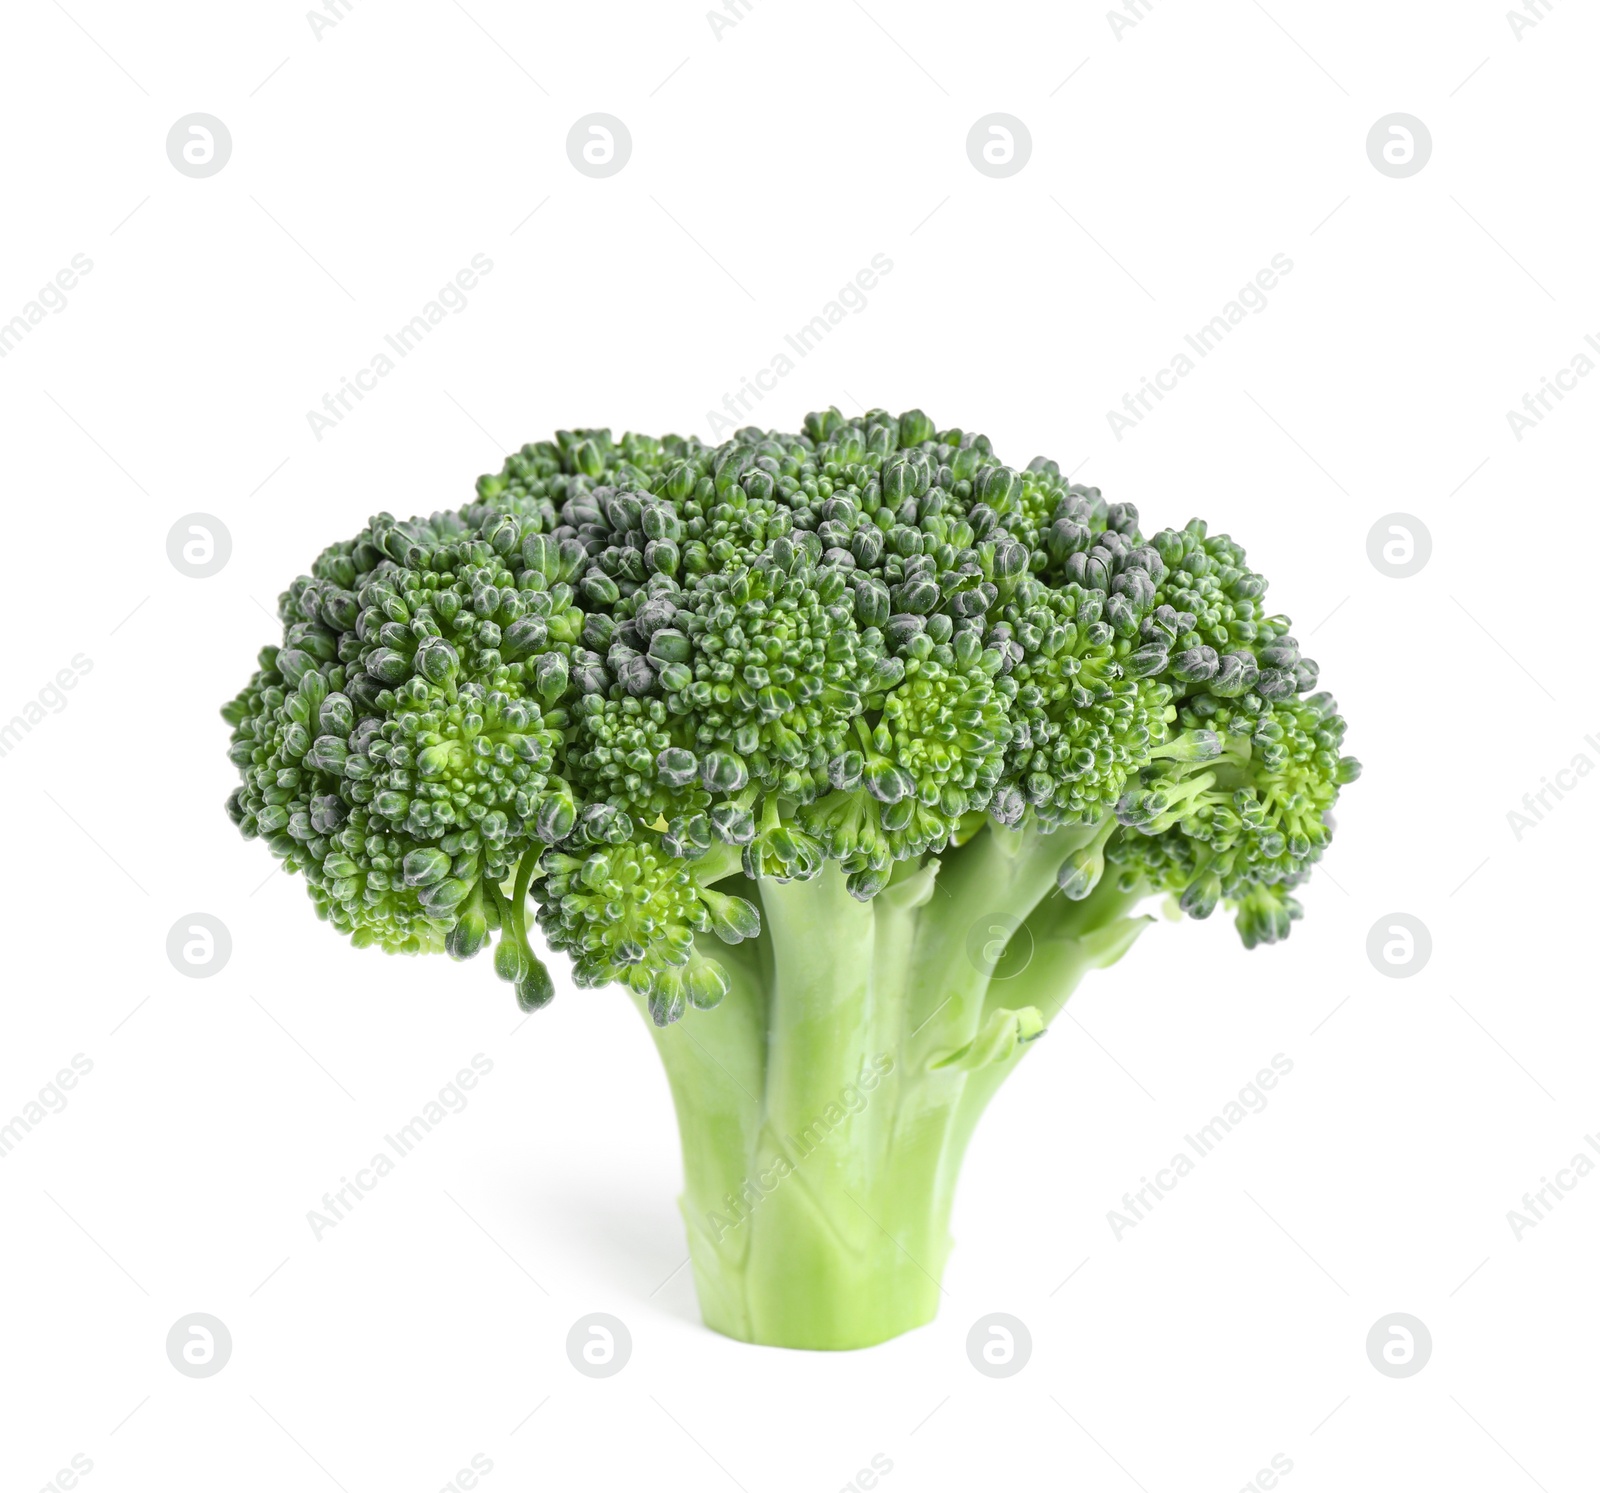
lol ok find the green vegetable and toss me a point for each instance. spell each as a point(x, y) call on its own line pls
point(858, 741)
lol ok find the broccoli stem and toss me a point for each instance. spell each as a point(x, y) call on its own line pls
point(716, 1071)
point(825, 1105)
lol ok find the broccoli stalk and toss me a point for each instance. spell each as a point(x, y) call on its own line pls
point(846, 752)
point(826, 1104)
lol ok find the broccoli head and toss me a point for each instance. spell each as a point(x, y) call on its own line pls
point(726, 715)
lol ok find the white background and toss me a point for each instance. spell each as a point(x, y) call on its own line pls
point(769, 165)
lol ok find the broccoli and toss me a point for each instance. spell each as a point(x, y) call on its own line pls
point(859, 742)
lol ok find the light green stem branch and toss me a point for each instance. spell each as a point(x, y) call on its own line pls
point(826, 1104)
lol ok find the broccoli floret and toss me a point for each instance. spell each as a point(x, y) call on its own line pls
point(859, 742)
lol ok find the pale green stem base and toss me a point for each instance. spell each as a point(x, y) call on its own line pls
point(825, 1106)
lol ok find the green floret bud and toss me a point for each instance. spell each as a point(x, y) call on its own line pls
point(425, 866)
point(469, 935)
point(510, 962)
point(732, 918)
point(1200, 897)
point(1264, 916)
point(1080, 873)
point(535, 988)
point(705, 982)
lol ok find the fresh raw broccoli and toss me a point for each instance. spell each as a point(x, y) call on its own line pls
point(859, 742)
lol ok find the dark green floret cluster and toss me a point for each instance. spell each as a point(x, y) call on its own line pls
point(632, 677)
